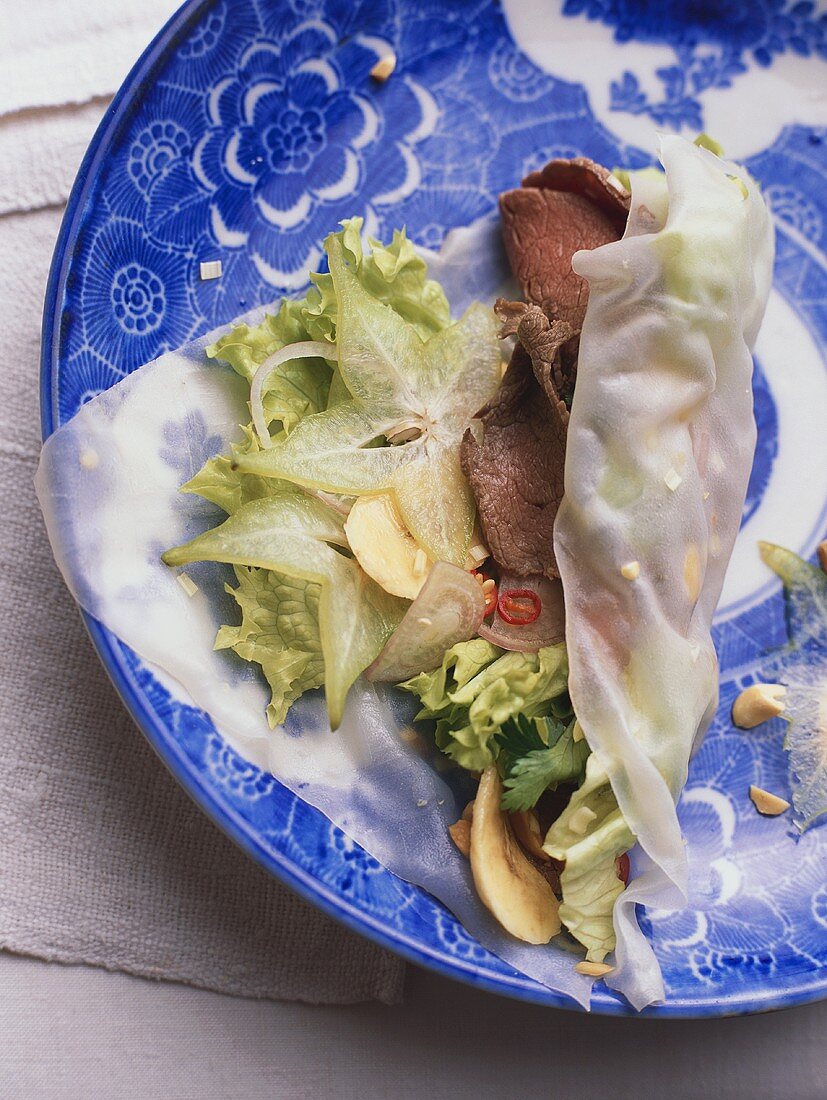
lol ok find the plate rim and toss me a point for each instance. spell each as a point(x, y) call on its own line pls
point(308, 886)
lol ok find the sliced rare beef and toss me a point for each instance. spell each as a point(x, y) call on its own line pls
point(566, 206)
point(584, 177)
point(515, 467)
point(551, 345)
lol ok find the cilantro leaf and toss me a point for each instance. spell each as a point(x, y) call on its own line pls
point(520, 735)
point(538, 754)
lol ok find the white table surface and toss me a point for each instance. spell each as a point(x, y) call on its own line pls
point(72, 1033)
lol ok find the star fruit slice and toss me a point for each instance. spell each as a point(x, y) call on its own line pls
point(296, 535)
point(399, 384)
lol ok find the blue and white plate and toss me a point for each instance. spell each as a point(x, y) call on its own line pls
point(245, 132)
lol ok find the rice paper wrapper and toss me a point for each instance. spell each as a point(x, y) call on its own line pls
point(659, 452)
point(108, 485)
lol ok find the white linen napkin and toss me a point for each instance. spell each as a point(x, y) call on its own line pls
point(103, 858)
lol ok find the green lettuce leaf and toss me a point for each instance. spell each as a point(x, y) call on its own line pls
point(279, 630)
point(461, 743)
point(516, 683)
point(393, 274)
point(292, 390)
point(221, 481)
point(802, 667)
point(589, 880)
point(459, 665)
point(478, 687)
point(297, 535)
point(289, 615)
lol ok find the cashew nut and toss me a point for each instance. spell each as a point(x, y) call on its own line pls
point(593, 970)
point(757, 704)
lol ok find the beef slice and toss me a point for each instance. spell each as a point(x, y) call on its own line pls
point(566, 206)
point(515, 467)
point(582, 176)
point(552, 346)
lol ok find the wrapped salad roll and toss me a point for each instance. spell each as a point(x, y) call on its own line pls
point(659, 452)
point(537, 557)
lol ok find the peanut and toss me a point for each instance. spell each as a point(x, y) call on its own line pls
point(771, 805)
point(461, 835)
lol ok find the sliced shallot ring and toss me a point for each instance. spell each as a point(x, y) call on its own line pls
point(548, 629)
point(449, 609)
point(305, 349)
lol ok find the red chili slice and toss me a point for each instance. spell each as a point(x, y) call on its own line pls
point(622, 867)
point(519, 606)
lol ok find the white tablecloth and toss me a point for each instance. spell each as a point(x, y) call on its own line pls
point(78, 1034)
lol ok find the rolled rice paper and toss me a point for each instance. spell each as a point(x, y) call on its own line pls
point(659, 452)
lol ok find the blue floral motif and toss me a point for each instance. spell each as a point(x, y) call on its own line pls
point(188, 446)
point(360, 877)
point(153, 150)
point(161, 140)
point(137, 300)
point(712, 46)
point(93, 374)
point(211, 49)
point(796, 210)
point(819, 905)
point(286, 132)
point(225, 139)
point(513, 74)
point(234, 774)
point(430, 212)
point(293, 147)
point(453, 936)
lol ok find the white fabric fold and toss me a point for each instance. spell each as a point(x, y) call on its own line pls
point(53, 53)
